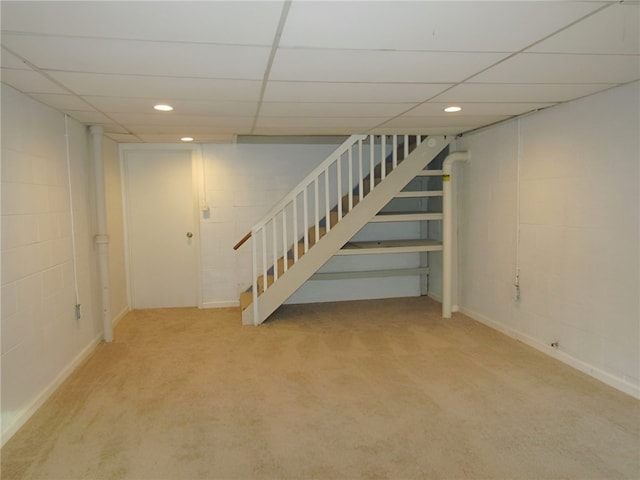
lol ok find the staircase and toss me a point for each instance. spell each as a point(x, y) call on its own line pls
point(321, 215)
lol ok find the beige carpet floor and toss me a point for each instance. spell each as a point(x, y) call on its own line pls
point(377, 389)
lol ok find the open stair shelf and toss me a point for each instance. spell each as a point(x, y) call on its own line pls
point(319, 218)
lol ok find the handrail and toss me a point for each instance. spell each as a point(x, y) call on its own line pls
point(241, 242)
point(307, 180)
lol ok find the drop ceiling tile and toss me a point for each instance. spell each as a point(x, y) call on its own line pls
point(214, 22)
point(287, 109)
point(613, 30)
point(8, 60)
point(135, 57)
point(561, 68)
point(123, 138)
point(181, 107)
point(461, 122)
point(418, 131)
point(289, 130)
point(185, 125)
point(498, 92)
point(378, 66)
point(202, 138)
point(441, 26)
point(159, 88)
point(280, 91)
point(358, 123)
point(29, 81)
point(91, 118)
point(437, 109)
point(61, 102)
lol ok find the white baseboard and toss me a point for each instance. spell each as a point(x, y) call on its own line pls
point(605, 377)
point(221, 304)
point(26, 413)
point(438, 298)
point(120, 316)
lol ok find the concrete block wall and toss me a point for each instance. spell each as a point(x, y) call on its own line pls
point(567, 179)
point(42, 341)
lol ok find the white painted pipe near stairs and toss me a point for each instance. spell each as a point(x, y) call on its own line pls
point(447, 229)
point(101, 238)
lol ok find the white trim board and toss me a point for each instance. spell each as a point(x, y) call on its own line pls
point(221, 304)
point(607, 378)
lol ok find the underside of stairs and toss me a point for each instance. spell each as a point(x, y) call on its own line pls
point(328, 227)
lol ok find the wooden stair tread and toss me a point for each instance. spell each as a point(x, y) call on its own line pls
point(390, 246)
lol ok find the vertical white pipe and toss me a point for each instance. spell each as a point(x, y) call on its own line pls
point(447, 229)
point(102, 237)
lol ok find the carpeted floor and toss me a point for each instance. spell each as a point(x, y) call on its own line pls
point(376, 389)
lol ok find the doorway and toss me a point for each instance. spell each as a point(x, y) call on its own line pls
point(162, 228)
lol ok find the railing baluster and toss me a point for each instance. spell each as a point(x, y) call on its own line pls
point(254, 271)
point(264, 256)
point(360, 176)
point(317, 210)
point(305, 211)
point(284, 240)
point(406, 147)
point(350, 179)
point(395, 151)
point(372, 165)
point(275, 250)
point(295, 229)
point(327, 222)
point(339, 186)
point(383, 156)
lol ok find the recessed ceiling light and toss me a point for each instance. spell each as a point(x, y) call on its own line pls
point(163, 108)
point(187, 139)
point(452, 109)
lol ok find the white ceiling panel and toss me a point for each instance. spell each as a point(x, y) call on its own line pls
point(183, 124)
point(94, 118)
point(61, 102)
point(278, 91)
point(8, 60)
point(141, 58)
point(29, 81)
point(380, 66)
point(462, 122)
point(473, 109)
point(435, 26)
point(357, 122)
point(340, 67)
point(492, 92)
point(560, 68)
point(453, 130)
point(613, 30)
point(185, 21)
point(319, 109)
point(201, 138)
point(159, 88)
point(124, 138)
point(181, 107)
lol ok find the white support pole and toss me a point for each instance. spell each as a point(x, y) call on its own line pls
point(101, 238)
point(447, 229)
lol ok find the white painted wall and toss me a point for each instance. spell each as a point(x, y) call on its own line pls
point(42, 341)
point(576, 167)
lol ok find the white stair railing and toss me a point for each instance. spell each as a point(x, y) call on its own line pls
point(294, 224)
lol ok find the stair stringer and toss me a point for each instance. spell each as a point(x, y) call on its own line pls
point(344, 230)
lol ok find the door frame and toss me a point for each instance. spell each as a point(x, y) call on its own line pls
point(196, 188)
